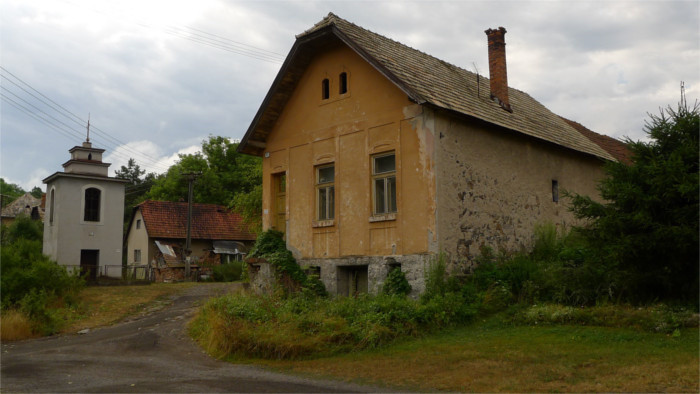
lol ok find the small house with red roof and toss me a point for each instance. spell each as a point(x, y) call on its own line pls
point(158, 229)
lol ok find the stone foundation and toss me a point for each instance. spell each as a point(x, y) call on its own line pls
point(340, 275)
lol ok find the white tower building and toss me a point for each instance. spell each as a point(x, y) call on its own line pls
point(83, 225)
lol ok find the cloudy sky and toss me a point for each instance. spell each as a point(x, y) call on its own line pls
point(158, 77)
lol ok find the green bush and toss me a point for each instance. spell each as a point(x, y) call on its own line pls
point(561, 268)
point(227, 272)
point(29, 280)
point(396, 283)
point(23, 227)
point(25, 269)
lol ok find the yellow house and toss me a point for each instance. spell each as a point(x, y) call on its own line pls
point(377, 155)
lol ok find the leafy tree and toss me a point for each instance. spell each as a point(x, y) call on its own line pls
point(226, 177)
point(131, 171)
point(647, 224)
point(9, 191)
point(37, 192)
point(136, 191)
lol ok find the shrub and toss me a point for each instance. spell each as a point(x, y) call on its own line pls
point(24, 269)
point(227, 272)
point(23, 227)
point(396, 283)
point(32, 283)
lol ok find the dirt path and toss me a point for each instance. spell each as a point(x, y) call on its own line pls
point(151, 353)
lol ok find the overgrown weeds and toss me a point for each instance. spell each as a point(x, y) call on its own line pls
point(290, 326)
point(301, 326)
point(558, 282)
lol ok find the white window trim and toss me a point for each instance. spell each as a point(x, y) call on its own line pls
point(328, 221)
point(102, 204)
point(388, 215)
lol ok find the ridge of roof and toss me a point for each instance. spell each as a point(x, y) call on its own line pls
point(427, 79)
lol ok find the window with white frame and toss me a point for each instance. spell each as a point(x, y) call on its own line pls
point(325, 192)
point(384, 184)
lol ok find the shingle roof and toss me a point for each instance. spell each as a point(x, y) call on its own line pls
point(165, 219)
point(21, 205)
point(425, 79)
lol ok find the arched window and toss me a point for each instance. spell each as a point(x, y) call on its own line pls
point(89, 156)
point(325, 89)
point(343, 83)
point(52, 204)
point(92, 205)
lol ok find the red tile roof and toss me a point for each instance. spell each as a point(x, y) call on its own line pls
point(165, 219)
point(616, 148)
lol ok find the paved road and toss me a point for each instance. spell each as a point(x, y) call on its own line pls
point(151, 353)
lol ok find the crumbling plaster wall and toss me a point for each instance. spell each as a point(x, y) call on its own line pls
point(494, 186)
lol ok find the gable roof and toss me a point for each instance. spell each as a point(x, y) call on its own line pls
point(424, 78)
point(166, 219)
point(22, 205)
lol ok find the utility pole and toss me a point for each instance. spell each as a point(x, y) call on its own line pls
point(191, 177)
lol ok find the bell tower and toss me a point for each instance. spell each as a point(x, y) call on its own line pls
point(85, 211)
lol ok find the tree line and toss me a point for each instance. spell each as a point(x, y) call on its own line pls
point(225, 177)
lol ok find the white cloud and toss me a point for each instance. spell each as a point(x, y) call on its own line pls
point(148, 155)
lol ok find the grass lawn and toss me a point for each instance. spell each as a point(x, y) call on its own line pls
point(489, 357)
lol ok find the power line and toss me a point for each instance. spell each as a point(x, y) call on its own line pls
point(197, 36)
point(104, 137)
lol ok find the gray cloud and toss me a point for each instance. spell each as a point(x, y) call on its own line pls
point(604, 64)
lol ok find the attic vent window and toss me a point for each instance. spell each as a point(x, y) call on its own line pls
point(89, 156)
point(325, 89)
point(343, 83)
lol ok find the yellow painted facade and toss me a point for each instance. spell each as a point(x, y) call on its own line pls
point(348, 130)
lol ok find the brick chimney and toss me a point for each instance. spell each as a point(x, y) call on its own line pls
point(498, 74)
